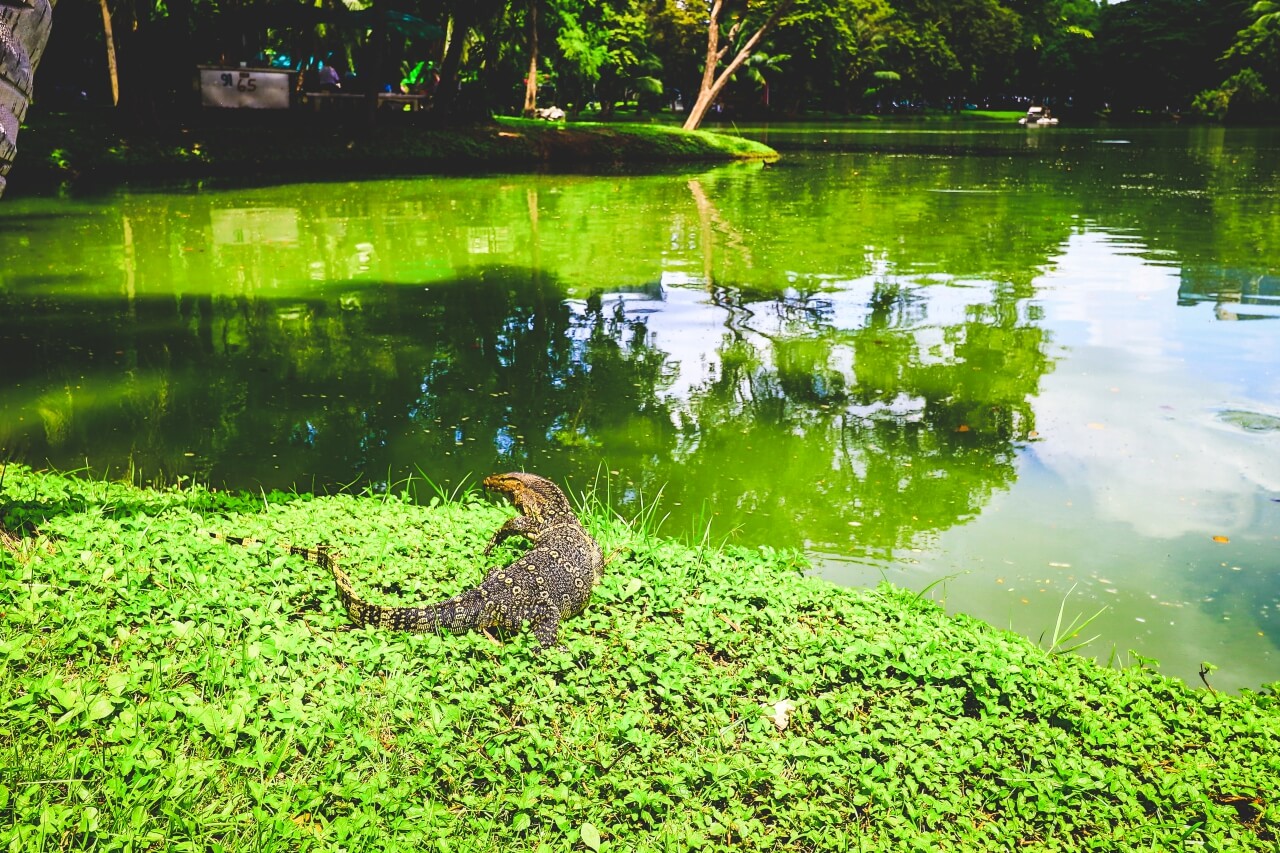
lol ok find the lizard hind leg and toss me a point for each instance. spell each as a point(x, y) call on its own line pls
point(547, 632)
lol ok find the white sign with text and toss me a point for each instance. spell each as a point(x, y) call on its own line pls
point(252, 88)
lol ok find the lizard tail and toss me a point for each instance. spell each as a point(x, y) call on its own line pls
point(463, 612)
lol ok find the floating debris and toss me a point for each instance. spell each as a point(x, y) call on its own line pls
point(1250, 421)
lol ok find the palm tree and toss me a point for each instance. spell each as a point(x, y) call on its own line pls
point(758, 63)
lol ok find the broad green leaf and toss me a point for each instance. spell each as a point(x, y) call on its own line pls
point(590, 836)
point(100, 707)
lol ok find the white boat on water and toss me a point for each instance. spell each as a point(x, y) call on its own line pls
point(1037, 117)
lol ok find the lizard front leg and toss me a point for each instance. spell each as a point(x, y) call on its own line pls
point(520, 525)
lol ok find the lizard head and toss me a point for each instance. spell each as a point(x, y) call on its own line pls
point(531, 494)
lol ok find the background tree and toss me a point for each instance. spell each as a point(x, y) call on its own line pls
point(822, 55)
point(531, 77)
point(1058, 56)
point(675, 35)
point(951, 50)
point(582, 41)
point(1157, 54)
point(740, 24)
point(462, 17)
point(1252, 92)
point(833, 49)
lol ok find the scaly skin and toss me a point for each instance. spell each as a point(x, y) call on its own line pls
point(548, 584)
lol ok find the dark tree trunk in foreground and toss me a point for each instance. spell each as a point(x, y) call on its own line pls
point(712, 83)
point(24, 30)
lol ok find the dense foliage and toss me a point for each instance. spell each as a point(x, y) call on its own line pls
point(833, 56)
point(165, 691)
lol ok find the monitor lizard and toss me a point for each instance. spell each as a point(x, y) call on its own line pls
point(549, 583)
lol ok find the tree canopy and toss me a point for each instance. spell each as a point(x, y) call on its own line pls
point(739, 58)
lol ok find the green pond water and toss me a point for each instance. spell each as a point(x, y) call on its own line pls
point(1032, 366)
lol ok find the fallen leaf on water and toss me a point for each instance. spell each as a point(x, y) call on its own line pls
point(1221, 539)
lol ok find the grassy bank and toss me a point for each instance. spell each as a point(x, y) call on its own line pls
point(164, 691)
point(98, 148)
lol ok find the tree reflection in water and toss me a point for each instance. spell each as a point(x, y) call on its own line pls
point(809, 430)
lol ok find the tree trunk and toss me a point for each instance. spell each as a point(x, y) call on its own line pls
point(372, 74)
point(24, 30)
point(531, 82)
point(447, 91)
point(112, 71)
point(713, 84)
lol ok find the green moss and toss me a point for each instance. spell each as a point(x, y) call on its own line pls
point(165, 691)
point(66, 149)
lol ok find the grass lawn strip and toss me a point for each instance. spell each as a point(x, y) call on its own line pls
point(161, 690)
point(92, 149)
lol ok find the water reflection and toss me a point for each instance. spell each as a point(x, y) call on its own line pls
point(911, 366)
point(1151, 488)
point(809, 418)
point(1235, 294)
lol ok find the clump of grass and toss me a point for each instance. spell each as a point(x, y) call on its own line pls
point(164, 691)
point(1067, 639)
point(631, 142)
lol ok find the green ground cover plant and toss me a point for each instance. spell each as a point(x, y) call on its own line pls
point(160, 690)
